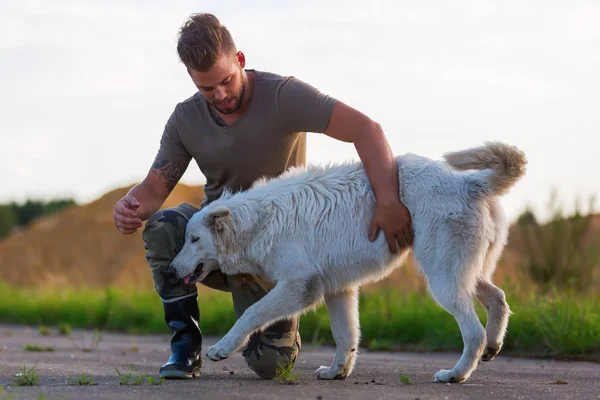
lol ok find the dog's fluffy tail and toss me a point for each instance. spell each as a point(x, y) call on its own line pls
point(505, 164)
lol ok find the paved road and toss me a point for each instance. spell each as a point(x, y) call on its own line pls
point(376, 375)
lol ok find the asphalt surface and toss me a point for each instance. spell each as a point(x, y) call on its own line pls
point(376, 376)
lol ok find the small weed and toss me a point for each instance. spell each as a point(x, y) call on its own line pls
point(43, 330)
point(153, 380)
point(560, 381)
point(28, 377)
point(285, 374)
point(405, 379)
point(64, 329)
point(8, 333)
point(130, 378)
point(83, 380)
point(37, 347)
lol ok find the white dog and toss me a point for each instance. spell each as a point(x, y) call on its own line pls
point(307, 232)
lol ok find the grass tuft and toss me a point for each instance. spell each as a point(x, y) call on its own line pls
point(37, 347)
point(82, 380)
point(405, 379)
point(285, 373)
point(130, 378)
point(27, 377)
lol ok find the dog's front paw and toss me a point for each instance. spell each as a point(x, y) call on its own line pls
point(446, 376)
point(218, 352)
point(324, 372)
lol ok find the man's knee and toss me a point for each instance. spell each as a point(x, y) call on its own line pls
point(164, 233)
point(276, 347)
point(164, 236)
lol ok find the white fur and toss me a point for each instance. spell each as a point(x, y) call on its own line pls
point(307, 232)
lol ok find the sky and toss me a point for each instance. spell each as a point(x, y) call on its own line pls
point(86, 87)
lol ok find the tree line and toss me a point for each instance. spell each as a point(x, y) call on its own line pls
point(14, 215)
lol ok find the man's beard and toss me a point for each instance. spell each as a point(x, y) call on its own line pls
point(237, 100)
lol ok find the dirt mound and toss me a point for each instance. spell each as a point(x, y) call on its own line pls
point(81, 247)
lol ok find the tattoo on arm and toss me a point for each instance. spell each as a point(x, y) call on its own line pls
point(169, 172)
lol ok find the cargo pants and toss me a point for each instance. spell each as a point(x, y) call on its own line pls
point(164, 236)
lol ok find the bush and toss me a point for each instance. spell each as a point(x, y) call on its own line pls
point(13, 214)
point(8, 219)
point(561, 254)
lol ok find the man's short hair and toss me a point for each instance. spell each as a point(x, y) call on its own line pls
point(202, 40)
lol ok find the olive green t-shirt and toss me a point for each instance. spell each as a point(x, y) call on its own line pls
point(269, 138)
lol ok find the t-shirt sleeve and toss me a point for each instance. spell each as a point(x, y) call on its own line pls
point(171, 147)
point(302, 107)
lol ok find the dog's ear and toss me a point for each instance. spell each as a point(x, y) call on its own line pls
point(218, 217)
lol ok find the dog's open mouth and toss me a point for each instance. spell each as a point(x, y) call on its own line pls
point(193, 277)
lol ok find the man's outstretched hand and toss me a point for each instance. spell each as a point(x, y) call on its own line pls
point(125, 215)
point(396, 223)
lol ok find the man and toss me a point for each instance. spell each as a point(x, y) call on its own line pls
point(239, 126)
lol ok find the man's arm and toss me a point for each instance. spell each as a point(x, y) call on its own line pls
point(157, 186)
point(352, 126)
point(305, 109)
point(147, 197)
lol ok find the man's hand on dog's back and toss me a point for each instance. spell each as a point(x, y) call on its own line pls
point(395, 221)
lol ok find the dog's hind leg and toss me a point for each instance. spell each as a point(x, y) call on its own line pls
point(343, 316)
point(493, 300)
point(490, 296)
point(452, 275)
point(457, 302)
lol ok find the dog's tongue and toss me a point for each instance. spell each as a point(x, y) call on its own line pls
point(187, 279)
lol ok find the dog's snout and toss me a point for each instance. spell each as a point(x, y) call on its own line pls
point(171, 269)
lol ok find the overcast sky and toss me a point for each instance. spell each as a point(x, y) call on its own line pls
point(86, 87)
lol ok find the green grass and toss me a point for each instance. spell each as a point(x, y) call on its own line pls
point(130, 378)
point(110, 309)
point(26, 377)
point(44, 330)
point(82, 380)
point(558, 324)
point(405, 379)
point(285, 373)
point(133, 377)
point(64, 329)
point(37, 347)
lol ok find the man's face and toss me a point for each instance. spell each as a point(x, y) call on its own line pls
point(223, 85)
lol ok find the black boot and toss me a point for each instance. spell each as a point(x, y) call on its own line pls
point(182, 317)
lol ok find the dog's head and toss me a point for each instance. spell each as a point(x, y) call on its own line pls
point(198, 257)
